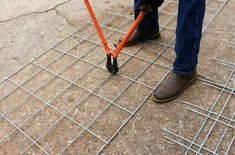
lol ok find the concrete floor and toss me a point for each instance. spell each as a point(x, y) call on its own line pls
point(29, 28)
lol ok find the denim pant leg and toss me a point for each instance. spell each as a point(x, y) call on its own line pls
point(150, 21)
point(188, 35)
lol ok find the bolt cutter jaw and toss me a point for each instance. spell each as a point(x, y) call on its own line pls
point(112, 65)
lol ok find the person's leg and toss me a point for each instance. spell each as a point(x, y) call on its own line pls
point(149, 22)
point(188, 37)
point(147, 29)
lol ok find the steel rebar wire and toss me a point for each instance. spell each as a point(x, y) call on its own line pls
point(64, 53)
point(212, 113)
point(214, 105)
point(230, 145)
point(122, 92)
point(55, 45)
point(210, 20)
point(119, 95)
point(117, 105)
point(214, 123)
point(91, 33)
point(224, 133)
point(184, 139)
point(98, 96)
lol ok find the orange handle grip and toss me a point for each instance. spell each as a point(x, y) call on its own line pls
point(128, 35)
point(97, 26)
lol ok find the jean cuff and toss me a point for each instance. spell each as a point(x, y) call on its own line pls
point(185, 73)
point(144, 30)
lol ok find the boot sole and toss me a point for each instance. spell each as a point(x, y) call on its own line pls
point(174, 97)
point(150, 37)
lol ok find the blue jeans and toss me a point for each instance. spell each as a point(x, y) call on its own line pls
point(150, 21)
point(188, 33)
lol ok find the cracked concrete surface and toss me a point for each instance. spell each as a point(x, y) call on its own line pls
point(16, 9)
point(25, 38)
point(29, 27)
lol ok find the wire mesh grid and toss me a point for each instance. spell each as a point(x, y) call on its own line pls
point(216, 127)
point(218, 124)
point(64, 101)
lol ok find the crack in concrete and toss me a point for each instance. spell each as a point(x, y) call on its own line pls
point(63, 16)
point(37, 12)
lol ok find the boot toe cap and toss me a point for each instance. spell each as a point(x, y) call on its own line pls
point(160, 95)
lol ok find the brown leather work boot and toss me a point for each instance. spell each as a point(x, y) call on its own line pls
point(137, 37)
point(173, 87)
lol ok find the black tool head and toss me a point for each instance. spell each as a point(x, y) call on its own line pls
point(112, 66)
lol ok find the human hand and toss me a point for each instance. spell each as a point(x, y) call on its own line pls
point(145, 8)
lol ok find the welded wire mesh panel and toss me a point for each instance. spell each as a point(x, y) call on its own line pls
point(65, 102)
point(216, 132)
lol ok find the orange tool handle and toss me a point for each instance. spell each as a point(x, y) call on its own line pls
point(103, 40)
point(128, 35)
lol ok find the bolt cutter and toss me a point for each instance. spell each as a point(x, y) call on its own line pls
point(112, 56)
